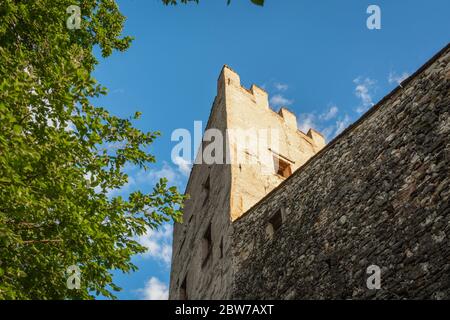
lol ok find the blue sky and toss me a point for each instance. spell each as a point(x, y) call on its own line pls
point(316, 57)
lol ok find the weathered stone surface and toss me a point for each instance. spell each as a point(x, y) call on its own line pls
point(377, 195)
point(234, 186)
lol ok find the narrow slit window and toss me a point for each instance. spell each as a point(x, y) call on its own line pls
point(182, 244)
point(282, 168)
point(207, 245)
point(183, 290)
point(207, 187)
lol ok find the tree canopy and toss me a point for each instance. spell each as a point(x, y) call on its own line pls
point(57, 165)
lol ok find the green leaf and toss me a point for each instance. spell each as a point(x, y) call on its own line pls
point(258, 2)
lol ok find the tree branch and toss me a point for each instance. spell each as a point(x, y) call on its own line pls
point(41, 241)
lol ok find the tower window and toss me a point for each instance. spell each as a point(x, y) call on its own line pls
point(282, 168)
point(221, 248)
point(183, 290)
point(207, 187)
point(207, 245)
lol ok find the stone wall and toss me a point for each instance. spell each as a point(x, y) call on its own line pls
point(209, 189)
point(221, 191)
point(260, 134)
point(376, 195)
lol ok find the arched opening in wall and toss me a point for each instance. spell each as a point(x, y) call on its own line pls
point(206, 245)
point(282, 167)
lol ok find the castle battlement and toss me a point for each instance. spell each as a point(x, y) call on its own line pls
point(264, 148)
point(230, 79)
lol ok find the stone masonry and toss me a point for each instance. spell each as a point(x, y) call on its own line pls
point(256, 139)
point(376, 195)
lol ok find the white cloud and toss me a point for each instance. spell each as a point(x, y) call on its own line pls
point(328, 132)
point(70, 126)
point(306, 121)
point(158, 243)
point(397, 78)
point(122, 190)
point(281, 86)
point(155, 289)
point(175, 176)
point(115, 145)
point(118, 90)
point(154, 175)
point(330, 114)
point(184, 166)
point(139, 179)
point(364, 91)
point(279, 100)
point(321, 122)
point(342, 124)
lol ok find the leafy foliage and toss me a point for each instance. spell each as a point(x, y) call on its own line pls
point(56, 161)
point(257, 2)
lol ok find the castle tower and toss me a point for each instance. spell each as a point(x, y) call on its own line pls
point(259, 150)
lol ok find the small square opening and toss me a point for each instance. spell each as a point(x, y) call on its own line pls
point(276, 221)
point(274, 224)
point(282, 168)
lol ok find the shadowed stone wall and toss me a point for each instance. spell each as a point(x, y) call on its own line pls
point(377, 195)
